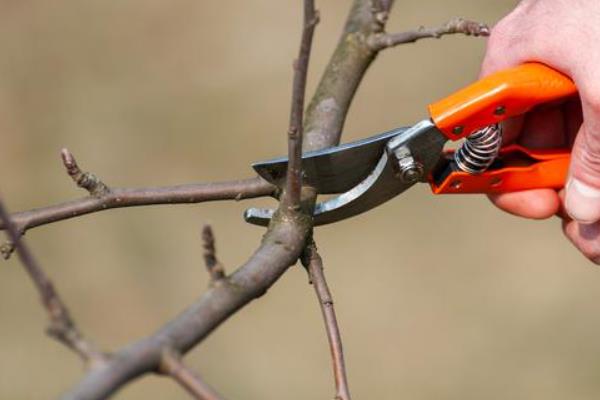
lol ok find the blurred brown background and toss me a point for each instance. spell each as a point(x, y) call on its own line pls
point(438, 297)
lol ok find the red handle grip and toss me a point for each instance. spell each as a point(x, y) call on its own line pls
point(499, 96)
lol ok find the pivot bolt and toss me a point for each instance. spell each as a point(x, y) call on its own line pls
point(410, 171)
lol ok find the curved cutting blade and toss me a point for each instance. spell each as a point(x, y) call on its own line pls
point(335, 169)
point(377, 188)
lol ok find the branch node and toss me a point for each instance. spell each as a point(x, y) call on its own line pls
point(467, 27)
point(85, 180)
point(167, 358)
point(213, 266)
point(6, 249)
point(381, 11)
point(316, 18)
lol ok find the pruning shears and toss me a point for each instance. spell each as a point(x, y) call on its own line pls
point(371, 171)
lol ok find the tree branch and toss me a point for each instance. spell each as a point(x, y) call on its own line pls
point(327, 110)
point(282, 244)
point(314, 264)
point(280, 249)
point(131, 197)
point(172, 365)
point(61, 327)
point(291, 196)
point(384, 40)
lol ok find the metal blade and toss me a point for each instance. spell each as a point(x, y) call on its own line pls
point(335, 169)
point(378, 187)
point(423, 141)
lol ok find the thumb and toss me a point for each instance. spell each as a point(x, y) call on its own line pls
point(582, 200)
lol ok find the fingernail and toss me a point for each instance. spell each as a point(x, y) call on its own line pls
point(582, 201)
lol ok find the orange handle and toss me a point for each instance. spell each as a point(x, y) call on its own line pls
point(499, 96)
point(520, 169)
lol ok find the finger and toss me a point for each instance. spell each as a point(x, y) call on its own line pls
point(544, 128)
point(586, 237)
point(562, 212)
point(583, 185)
point(533, 204)
point(573, 119)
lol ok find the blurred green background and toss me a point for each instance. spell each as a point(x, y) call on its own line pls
point(437, 297)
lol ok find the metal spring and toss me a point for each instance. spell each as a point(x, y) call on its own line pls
point(479, 150)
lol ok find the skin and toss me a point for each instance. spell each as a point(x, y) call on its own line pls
point(565, 35)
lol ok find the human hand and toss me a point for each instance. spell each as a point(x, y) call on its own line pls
point(564, 35)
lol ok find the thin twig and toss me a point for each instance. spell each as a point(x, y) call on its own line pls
point(295, 130)
point(380, 41)
point(214, 267)
point(314, 264)
point(61, 327)
point(172, 365)
point(131, 197)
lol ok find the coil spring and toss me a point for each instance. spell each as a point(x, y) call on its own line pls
point(479, 150)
